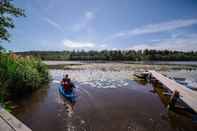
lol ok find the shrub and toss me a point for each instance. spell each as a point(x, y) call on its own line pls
point(20, 75)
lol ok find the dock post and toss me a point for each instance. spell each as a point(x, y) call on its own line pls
point(186, 95)
point(148, 77)
point(173, 100)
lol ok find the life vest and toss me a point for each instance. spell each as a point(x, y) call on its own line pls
point(66, 85)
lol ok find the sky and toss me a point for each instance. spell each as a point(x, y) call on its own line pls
point(57, 25)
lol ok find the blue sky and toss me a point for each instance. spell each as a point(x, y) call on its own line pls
point(105, 24)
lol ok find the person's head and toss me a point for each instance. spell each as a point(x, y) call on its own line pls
point(66, 76)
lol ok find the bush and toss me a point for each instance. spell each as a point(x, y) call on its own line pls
point(20, 75)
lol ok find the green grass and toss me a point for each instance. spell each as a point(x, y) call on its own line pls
point(20, 75)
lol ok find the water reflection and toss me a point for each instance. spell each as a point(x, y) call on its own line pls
point(181, 112)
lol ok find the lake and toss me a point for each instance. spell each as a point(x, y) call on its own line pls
point(109, 98)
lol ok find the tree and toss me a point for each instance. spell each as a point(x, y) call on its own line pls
point(7, 12)
point(1, 48)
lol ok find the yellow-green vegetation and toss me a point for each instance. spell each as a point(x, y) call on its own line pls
point(121, 66)
point(20, 75)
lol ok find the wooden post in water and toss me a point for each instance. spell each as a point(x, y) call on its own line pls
point(173, 100)
point(188, 96)
point(148, 77)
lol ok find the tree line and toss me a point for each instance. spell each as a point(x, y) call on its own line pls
point(115, 55)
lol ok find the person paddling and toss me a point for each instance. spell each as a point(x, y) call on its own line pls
point(67, 84)
point(71, 85)
point(67, 90)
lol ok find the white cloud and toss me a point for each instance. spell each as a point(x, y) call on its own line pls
point(78, 45)
point(53, 23)
point(84, 22)
point(187, 43)
point(103, 45)
point(114, 49)
point(155, 28)
point(89, 15)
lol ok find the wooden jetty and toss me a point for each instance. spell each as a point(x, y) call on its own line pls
point(187, 95)
point(10, 123)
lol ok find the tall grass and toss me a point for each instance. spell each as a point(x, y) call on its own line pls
point(20, 75)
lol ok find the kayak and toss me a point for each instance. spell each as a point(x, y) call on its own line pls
point(69, 95)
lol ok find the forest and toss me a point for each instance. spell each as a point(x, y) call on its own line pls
point(114, 55)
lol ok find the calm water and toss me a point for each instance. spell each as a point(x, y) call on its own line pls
point(107, 101)
point(169, 62)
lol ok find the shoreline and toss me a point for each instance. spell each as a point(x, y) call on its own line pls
point(117, 66)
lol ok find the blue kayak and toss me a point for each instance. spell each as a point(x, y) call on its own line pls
point(69, 95)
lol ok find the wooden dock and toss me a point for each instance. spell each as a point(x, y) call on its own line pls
point(187, 95)
point(10, 123)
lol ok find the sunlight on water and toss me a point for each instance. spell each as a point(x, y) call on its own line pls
point(115, 79)
point(189, 76)
point(95, 78)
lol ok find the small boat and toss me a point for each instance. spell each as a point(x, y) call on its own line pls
point(69, 95)
point(141, 75)
point(179, 78)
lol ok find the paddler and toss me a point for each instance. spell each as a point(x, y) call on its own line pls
point(67, 84)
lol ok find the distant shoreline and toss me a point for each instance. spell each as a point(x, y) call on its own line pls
point(78, 62)
point(114, 55)
point(81, 65)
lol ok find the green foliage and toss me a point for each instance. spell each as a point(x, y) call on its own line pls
point(1, 49)
point(115, 55)
point(20, 75)
point(7, 11)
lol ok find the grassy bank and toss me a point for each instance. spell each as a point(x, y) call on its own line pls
point(20, 75)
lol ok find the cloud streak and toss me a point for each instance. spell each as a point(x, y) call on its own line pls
point(188, 43)
point(155, 28)
point(162, 27)
point(78, 45)
point(84, 22)
point(53, 23)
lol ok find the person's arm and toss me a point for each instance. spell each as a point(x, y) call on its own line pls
point(62, 83)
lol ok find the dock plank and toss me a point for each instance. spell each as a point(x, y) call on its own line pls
point(4, 126)
point(186, 95)
point(9, 123)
